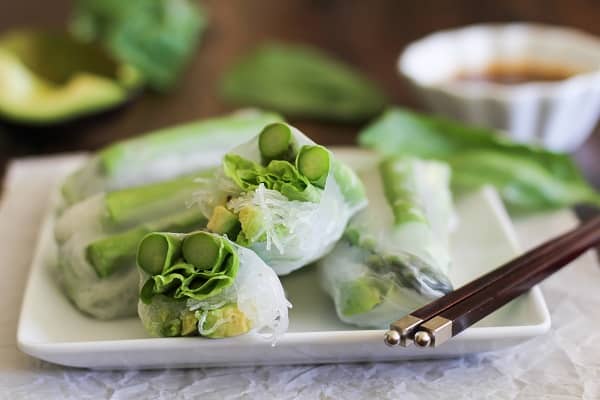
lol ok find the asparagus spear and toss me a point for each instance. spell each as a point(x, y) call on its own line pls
point(126, 209)
point(127, 206)
point(114, 252)
point(163, 154)
point(202, 250)
point(400, 191)
point(158, 251)
point(276, 142)
point(351, 186)
point(313, 162)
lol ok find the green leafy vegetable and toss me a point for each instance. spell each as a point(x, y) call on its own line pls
point(156, 36)
point(277, 175)
point(528, 178)
point(302, 81)
point(195, 266)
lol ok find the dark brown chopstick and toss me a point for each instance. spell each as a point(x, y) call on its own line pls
point(449, 315)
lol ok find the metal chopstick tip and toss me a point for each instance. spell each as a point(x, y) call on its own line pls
point(422, 339)
point(391, 338)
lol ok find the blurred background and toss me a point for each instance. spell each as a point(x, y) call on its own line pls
point(366, 35)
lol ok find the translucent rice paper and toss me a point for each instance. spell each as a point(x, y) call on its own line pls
point(311, 229)
point(164, 154)
point(110, 297)
point(420, 250)
point(256, 291)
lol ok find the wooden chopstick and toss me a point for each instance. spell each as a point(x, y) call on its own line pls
point(447, 316)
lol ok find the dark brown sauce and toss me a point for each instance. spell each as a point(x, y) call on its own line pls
point(511, 73)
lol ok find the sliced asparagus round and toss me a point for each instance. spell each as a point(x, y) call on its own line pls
point(157, 251)
point(202, 250)
point(313, 162)
point(276, 142)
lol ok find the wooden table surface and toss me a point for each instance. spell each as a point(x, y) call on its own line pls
point(366, 34)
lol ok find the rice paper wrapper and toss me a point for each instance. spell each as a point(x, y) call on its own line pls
point(382, 269)
point(115, 295)
point(164, 154)
point(110, 297)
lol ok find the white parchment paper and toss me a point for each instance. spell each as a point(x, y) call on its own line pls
point(563, 364)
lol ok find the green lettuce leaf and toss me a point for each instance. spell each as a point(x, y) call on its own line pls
point(156, 36)
point(278, 175)
point(184, 280)
point(528, 178)
point(302, 81)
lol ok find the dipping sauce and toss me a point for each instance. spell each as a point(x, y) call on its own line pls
point(517, 72)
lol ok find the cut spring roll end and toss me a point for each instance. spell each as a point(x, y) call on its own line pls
point(276, 142)
point(313, 162)
point(194, 266)
point(156, 251)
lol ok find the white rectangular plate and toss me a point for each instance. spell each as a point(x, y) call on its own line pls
point(50, 328)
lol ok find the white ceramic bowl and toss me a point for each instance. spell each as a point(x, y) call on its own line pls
point(559, 115)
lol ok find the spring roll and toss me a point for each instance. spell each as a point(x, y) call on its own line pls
point(282, 196)
point(394, 255)
point(163, 154)
point(203, 284)
point(97, 240)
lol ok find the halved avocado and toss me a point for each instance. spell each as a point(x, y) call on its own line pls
point(47, 78)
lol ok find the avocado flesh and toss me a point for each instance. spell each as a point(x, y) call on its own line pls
point(360, 296)
point(235, 323)
point(224, 222)
point(48, 78)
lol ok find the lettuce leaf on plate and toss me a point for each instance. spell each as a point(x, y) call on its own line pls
point(528, 178)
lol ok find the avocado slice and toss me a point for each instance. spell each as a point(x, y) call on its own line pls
point(226, 321)
point(189, 323)
point(224, 222)
point(360, 296)
point(48, 78)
